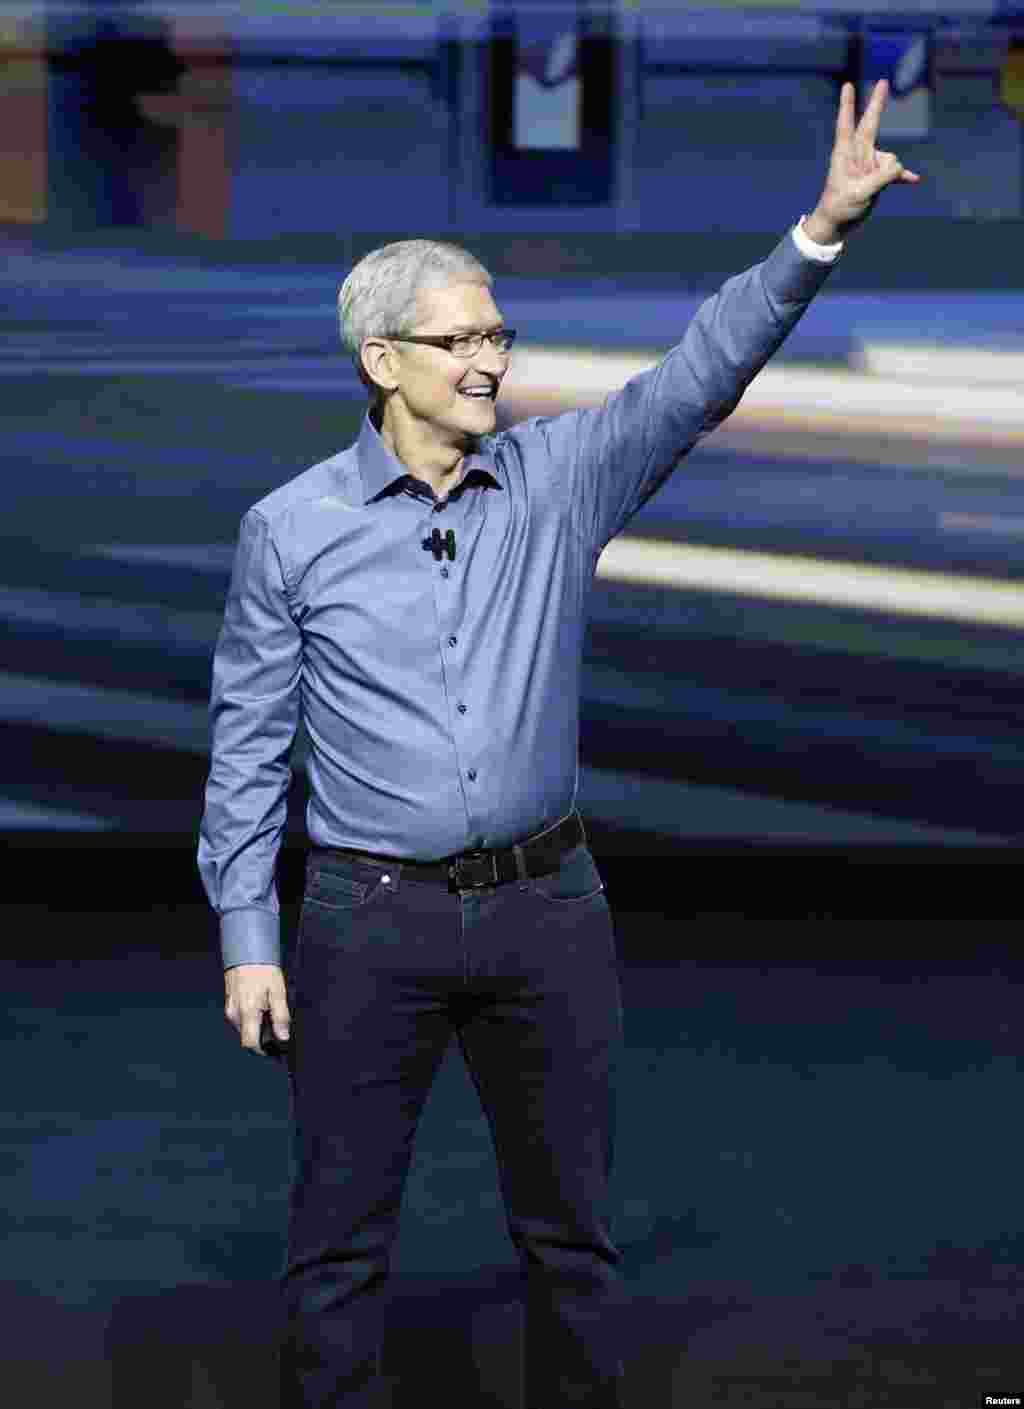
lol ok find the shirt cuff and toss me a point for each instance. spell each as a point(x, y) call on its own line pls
point(824, 254)
point(250, 936)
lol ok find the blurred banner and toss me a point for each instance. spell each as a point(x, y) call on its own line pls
point(548, 92)
point(24, 170)
point(551, 76)
point(904, 57)
point(201, 111)
point(1011, 77)
point(138, 110)
point(249, 118)
point(112, 162)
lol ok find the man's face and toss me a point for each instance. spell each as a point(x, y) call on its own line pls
point(432, 383)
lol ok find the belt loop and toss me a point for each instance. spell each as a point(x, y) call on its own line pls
point(521, 871)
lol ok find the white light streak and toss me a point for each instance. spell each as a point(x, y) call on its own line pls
point(655, 562)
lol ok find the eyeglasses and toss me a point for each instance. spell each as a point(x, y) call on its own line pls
point(464, 344)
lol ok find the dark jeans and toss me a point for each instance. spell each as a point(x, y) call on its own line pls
point(384, 969)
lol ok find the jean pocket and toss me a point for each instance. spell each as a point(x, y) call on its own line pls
point(332, 891)
point(576, 880)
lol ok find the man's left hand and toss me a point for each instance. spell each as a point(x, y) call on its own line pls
point(857, 174)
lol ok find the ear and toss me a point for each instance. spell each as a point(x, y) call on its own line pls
point(377, 360)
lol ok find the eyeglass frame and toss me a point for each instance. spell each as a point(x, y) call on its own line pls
point(445, 341)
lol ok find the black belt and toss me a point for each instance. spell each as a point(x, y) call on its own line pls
point(469, 870)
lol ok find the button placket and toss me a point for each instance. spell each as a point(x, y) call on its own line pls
point(452, 642)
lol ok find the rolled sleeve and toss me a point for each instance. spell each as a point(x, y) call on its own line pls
point(254, 711)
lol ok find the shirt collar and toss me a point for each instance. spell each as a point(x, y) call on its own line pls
point(380, 468)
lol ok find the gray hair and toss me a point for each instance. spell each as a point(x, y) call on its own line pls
point(381, 292)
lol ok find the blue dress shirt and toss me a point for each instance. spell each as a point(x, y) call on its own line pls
point(441, 697)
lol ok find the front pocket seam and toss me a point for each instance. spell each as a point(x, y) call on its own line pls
point(569, 899)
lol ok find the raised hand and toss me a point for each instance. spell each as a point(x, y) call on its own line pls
point(858, 173)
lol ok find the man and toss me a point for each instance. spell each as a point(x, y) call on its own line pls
point(449, 884)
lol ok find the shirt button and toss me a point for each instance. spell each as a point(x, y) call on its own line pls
point(452, 640)
point(472, 775)
point(462, 709)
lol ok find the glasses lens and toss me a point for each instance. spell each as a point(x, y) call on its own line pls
point(469, 344)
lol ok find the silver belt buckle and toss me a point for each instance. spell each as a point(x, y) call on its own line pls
point(474, 858)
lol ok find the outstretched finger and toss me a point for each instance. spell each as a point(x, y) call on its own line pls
point(847, 111)
point(872, 119)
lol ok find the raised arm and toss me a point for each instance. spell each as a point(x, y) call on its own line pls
point(614, 457)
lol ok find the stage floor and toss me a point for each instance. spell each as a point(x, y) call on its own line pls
point(816, 1187)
